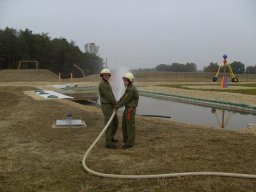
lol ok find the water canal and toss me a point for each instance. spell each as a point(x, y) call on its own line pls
point(194, 114)
point(178, 111)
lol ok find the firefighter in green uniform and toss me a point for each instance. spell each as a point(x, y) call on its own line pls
point(130, 100)
point(108, 102)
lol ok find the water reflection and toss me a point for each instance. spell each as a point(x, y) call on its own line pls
point(220, 116)
point(194, 114)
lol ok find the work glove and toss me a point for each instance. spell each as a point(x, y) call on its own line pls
point(115, 108)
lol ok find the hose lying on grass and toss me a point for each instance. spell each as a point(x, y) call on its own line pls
point(248, 176)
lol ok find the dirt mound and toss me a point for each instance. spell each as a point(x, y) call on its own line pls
point(11, 75)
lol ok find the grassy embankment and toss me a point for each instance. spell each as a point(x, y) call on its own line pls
point(251, 91)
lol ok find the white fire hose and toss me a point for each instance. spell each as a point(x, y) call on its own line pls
point(248, 176)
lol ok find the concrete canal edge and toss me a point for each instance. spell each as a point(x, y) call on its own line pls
point(240, 107)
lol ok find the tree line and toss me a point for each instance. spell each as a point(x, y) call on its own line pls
point(60, 56)
point(177, 67)
point(57, 55)
point(237, 67)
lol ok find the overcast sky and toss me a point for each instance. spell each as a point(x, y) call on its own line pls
point(144, 33)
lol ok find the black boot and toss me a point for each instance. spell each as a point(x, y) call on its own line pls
point(126, 146)
point(114, 140)
point(111, 146)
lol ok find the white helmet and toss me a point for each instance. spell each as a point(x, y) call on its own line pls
point(129, 76)
point(105, 71)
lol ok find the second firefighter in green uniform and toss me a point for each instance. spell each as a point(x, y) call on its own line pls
point(130, 100)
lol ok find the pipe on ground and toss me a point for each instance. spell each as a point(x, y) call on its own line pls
point(167, 175)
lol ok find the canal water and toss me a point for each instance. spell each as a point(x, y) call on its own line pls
point(187, 113)
point(194, 114)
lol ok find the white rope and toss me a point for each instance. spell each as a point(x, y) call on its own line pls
point(248, 176)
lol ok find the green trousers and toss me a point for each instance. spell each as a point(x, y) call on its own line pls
point(107, 110)
point(128, 125)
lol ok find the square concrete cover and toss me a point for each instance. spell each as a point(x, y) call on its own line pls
point(69, 123)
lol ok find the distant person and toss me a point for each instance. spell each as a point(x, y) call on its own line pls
point(108, 102)
point(130, 100)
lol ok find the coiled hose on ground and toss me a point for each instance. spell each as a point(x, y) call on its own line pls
point(248, 176)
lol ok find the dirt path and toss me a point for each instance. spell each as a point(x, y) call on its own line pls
point(36, 157)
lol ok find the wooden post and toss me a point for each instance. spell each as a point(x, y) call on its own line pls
point(59, 77)
point(19, 65)
point(71, 77)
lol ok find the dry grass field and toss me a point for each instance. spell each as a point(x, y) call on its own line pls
point(38, 158)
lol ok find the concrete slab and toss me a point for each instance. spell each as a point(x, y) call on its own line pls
point(74, 123)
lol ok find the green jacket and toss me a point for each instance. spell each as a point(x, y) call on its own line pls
point(106, 93)
point(130, 97)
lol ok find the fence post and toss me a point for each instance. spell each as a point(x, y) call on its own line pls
point(59, 77)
